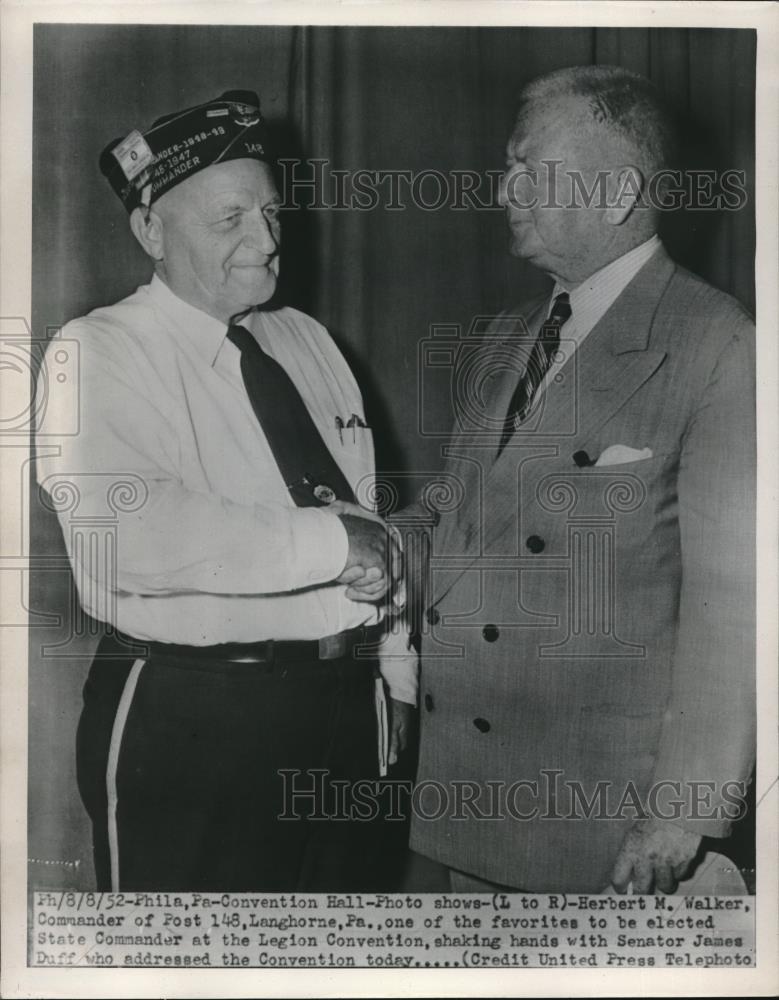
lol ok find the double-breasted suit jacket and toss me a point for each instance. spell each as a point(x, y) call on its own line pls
point(589, 652)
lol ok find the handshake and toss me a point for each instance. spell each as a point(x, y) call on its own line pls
point(374, 564)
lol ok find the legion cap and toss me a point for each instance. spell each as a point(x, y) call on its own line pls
point(144, 165)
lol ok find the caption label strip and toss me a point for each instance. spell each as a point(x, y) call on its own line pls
point(296, 931)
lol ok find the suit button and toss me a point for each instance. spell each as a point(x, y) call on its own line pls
point(429, 702)
point(433, 616)
point(535, 544)
point(490, 633)
point(482, 725)
point(582, 459)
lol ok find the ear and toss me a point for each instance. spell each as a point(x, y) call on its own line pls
point(147, 229)
point(625, 188)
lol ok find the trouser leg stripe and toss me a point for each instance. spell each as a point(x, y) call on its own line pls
point(122, 711)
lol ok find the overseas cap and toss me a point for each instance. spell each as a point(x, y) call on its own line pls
point(144, 165)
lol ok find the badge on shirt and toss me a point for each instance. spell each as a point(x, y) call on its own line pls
point(311, 491)
point(324, 493)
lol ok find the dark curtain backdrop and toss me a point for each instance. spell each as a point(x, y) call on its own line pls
point(360, 98)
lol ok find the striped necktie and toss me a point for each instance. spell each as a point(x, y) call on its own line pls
point(546, 343)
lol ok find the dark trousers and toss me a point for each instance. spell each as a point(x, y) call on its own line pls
point(180, 767)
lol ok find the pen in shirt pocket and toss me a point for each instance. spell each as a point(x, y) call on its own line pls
point(354, 422)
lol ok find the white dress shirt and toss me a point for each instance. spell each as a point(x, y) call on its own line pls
point(590, 300)
point(216, 551)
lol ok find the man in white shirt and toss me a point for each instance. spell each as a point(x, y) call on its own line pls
point(246, 598)
point(588, 671)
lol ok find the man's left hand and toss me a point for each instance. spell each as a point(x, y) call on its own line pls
point(401, 723)
point(654, 855)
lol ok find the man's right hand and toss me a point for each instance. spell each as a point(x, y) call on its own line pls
point(367, 558)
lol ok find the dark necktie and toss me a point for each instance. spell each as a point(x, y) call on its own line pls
point(546, 343)
point(311, 473)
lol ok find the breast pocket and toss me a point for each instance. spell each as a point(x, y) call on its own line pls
point(630, 499)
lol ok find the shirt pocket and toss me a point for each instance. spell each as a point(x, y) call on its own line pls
point(354, 452)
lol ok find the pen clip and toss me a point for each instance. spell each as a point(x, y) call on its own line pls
point(354, 422)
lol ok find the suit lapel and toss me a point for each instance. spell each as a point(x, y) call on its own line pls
point(617, 357)
point(508, 353)
point(613, 362)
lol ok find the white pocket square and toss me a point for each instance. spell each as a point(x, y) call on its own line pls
point(618, 454)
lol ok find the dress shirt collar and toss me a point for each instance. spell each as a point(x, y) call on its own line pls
point(202, 331)
point(590, 300)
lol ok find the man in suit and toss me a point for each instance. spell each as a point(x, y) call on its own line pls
point(587, 668)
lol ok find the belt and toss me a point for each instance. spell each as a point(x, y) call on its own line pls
point(269, 651)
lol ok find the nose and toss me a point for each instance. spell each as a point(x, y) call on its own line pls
point(262, 234)
point(518, 189)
